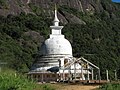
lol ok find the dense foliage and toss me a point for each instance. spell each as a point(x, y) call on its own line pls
point(110, 87)
point(17, 48)
point(98, 40)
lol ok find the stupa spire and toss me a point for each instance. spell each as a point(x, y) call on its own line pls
point(56, 29)
point(56, 20)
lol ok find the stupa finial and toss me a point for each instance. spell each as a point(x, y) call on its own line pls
point(56, 20)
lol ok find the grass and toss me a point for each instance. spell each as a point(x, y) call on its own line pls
point(11, 80)
point(110, 86)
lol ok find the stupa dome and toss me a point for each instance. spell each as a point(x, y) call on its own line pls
point(56, 45)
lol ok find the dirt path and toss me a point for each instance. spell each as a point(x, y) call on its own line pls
point(75, 87)
point(78, 87)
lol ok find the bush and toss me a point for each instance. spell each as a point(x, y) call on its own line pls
point(10, 80)
point(110, 87)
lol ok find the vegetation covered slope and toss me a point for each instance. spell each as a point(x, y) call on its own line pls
point(98, 39)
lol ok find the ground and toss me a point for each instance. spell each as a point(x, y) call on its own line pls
point(74, 87)
point(78, 87)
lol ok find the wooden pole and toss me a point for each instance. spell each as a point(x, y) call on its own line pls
point(59, 69)
point(63, 75)
point(42, 77)
point(115, 74)
point(75, 70)
point(92, 75)
point(32, 77)
point(69, 75)
point(88, 72)
point(107, 76)
point(96, 77)
point(82, 71)
point(99, 75)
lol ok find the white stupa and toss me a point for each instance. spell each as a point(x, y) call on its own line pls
point(55, 60)
point(53, 49)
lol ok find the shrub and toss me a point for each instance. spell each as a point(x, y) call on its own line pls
point(110, 87)
point(11, 80)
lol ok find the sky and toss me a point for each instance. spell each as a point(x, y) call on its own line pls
point(116, 1)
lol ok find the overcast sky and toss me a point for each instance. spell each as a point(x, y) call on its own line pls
point(116, 0)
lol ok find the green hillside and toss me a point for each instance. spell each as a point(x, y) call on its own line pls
point(98, 40)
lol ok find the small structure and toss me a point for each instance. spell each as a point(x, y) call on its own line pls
point(55, 61)
point(76, 69)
